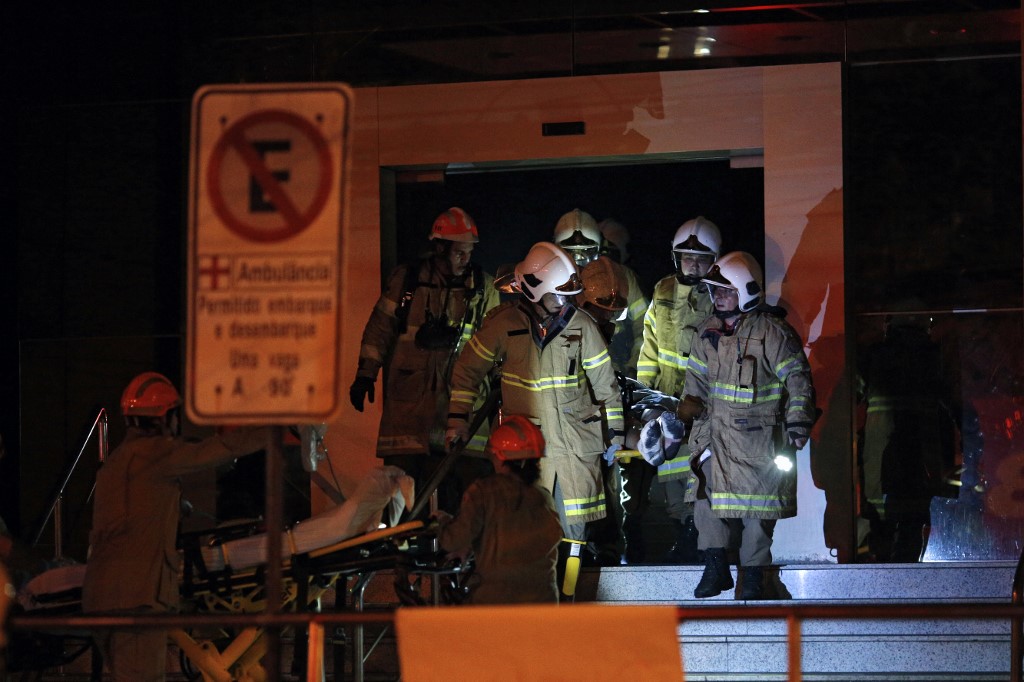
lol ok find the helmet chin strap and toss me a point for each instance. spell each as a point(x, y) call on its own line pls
point(688, 280)
point(726, 314)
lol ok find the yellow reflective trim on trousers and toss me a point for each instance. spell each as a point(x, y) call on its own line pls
point(675, 466)
point(726, 501)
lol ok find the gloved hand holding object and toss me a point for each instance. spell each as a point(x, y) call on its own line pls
point(673, 433)
point(457, 431)
point(609, 454)
point(651, 445)
point(689, 408)
point(798, 434)
point(362, 387)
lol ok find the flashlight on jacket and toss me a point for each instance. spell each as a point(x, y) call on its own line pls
point(784, 462)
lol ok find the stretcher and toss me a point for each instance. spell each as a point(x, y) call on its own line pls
point(223, 572)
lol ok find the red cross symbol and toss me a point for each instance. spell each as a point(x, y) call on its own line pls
point(214, 270)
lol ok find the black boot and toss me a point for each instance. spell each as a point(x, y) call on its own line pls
point(684, 552)
point(752, 582)
point(716, 574)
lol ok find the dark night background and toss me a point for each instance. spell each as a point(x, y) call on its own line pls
point(95, 121)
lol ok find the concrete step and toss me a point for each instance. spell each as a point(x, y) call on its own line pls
point(841, 649)
point(879, 650)
point(848, 583)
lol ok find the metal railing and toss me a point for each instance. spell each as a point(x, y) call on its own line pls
point(1017, 624)
point(317, 622)
point(56, 508)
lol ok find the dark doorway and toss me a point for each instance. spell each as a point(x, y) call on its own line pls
point(517, 208)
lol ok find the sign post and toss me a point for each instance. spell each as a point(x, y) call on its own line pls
point(267, 201)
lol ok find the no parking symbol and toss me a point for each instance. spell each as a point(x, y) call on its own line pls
point(267, 202)
point(255, 199)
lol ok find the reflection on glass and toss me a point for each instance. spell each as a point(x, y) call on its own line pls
point(907, 434)
point(940, 435)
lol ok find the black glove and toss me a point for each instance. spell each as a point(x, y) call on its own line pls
point(361, 388)
point(798, 434)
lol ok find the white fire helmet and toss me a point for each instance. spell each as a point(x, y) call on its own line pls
point(740, 271)
point(577, 233)
point(616, 239)
point(547, 269)
point(699, 236)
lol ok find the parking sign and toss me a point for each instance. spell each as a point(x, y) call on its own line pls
point(267, 202)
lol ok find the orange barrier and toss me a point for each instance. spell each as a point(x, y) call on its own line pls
point(794, 615)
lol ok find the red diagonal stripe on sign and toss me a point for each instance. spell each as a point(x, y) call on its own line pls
point(254, 162)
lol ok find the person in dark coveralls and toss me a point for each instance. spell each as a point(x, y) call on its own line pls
point(133, 563)
point(427, 312)
point(749, 384)
point(508, 522)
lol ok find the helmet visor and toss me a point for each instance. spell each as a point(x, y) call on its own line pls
point(716, 278)
point(573, 285)
point(582, 255)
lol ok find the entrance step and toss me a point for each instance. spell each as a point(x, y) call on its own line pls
point(841, 649)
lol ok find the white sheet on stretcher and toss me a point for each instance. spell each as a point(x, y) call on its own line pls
point(359, 514)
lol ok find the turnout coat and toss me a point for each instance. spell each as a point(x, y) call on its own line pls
point(513, 531)
point(133, 562)
point(671, 321)
point(563, 382)
point(628, 338)
point(753, 383)
point(416, 378)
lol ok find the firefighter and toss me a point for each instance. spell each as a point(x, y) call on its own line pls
point(605, 294)
point(556, 371)
point(579, 234)
point(908, 436)
point(629, 326)
point(508, 523)
point(133, 564)
point(678, 306)
point(749, 379)
point(423, 319)
point(605, 297)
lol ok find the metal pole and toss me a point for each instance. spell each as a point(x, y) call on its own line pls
point(793, 649)
point(58, 527)
point(1017, 623)
point(274, 514)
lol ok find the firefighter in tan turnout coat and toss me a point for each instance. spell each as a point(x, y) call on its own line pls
point(748, 369)
point(556, 371)
point(677, 308)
